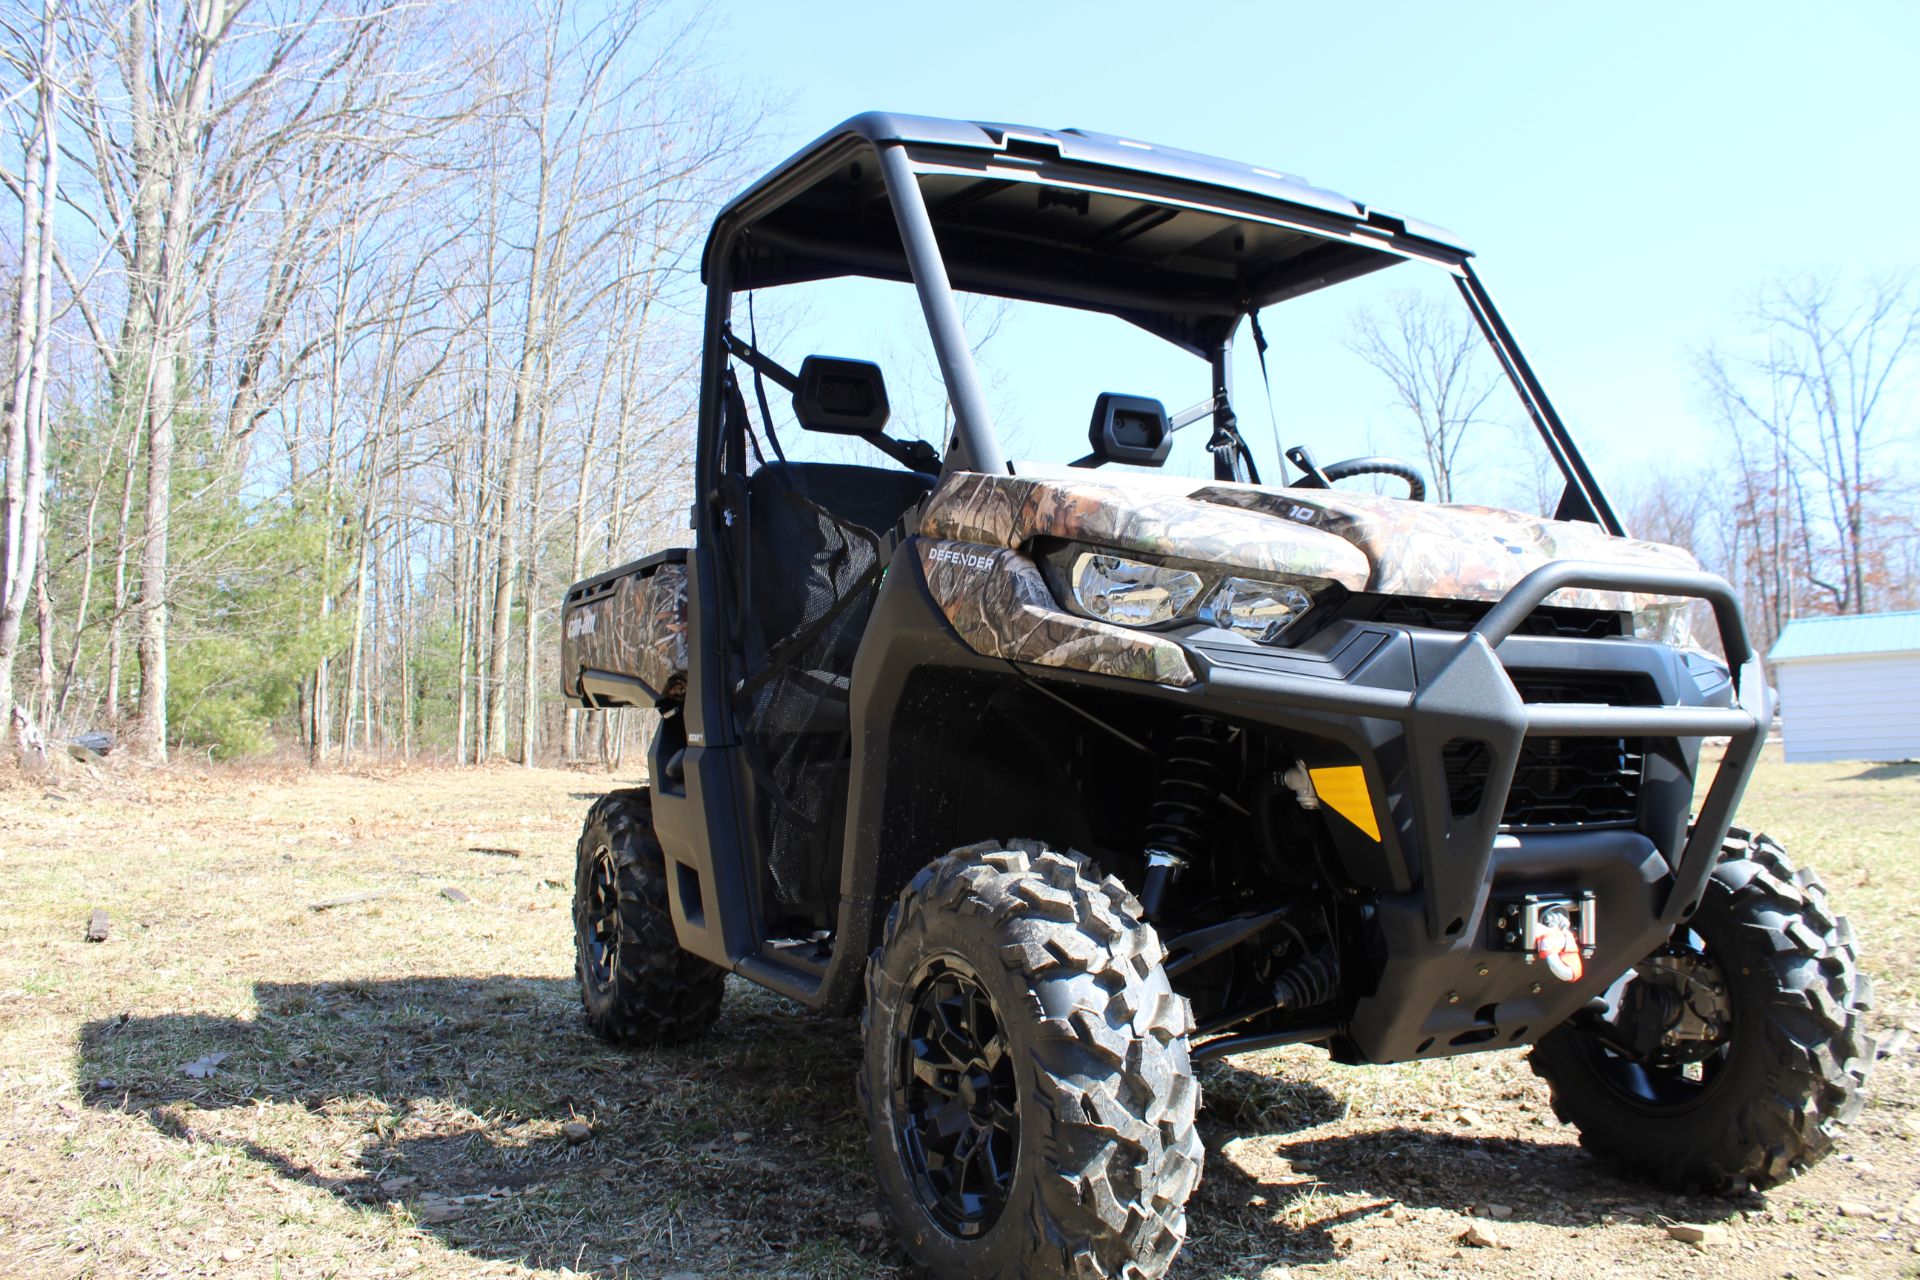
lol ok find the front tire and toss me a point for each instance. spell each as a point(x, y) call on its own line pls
point(1768, 1050)
point(637, 985)
point(1029, 1098)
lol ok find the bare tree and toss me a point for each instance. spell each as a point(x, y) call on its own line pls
point(1436, 361)
point(1812, 404)
point(362, 296)
point(22, 561)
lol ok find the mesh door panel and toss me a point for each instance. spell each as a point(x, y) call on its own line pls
point(812, 596)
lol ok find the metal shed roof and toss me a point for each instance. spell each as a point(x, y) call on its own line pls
point(1841, 636)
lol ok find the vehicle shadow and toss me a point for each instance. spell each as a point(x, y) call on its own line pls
point(1273, 1164)
point(450, 1099)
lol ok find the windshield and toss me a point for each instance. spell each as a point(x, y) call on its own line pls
point(1350, 344)
point(1391, 364)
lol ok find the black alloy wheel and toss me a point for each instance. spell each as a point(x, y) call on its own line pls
point(1685, 990)
point(600, 939)
point(955, 1099)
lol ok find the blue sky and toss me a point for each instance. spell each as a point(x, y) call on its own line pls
point(1628, 174)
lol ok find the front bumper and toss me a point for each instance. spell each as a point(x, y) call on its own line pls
point(1395, 698)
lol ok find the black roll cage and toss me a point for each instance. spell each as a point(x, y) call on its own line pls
point(907, 150)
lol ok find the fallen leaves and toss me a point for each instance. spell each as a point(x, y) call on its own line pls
point(203, 1067)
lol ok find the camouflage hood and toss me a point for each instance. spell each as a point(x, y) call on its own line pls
point(1363, 541)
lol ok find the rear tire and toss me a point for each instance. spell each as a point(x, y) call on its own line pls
point(636, 983)
point(1030, 1103)
point(1796, 1052)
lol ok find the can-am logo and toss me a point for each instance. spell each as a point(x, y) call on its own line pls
point(973, 560)
point(580, 624)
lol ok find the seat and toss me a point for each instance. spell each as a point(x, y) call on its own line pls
point(800, 563)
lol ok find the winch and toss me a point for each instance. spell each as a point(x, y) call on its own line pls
point(1558, 930)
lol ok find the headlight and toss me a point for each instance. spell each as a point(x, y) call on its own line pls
point(1132, 592)
point(1260, 611)
point(1137, 593)
point(1669, 622)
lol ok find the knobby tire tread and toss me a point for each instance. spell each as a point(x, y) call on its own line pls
point(1816, 1053)
point(659, 994)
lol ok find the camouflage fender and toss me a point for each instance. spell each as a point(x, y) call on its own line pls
point(1000, 605)
point(638, 629)
point(1008, 511)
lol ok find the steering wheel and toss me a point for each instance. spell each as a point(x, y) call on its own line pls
point(1314, 476)
point(1416, 483)
point(1369, 467)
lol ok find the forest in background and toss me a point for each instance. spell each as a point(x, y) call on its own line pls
point(343, 334)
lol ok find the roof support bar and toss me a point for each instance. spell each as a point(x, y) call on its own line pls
point(977, 447)
point(1580, 480)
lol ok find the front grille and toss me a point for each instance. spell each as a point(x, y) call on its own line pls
point(1559, 783)
point(1575, 782)
point(1460, 615)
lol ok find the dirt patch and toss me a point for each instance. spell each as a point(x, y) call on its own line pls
point(402, 1068)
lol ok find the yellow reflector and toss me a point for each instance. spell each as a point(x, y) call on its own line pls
point(1344, 790)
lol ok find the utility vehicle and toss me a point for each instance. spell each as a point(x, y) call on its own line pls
point(1067, 776)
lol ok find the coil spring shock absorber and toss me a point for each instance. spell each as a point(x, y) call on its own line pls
point(1184, 800)
point(1308, 981)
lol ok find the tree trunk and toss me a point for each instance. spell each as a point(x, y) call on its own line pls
point(530, 670)
point(462, 539)
point(168, 180)
point(123, 549)
point(26, 407)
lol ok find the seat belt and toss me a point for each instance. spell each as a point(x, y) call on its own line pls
point(759, 383)
point(732, 498)
point(1260, 349)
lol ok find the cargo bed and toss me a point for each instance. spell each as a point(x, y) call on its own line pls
point(624, 634)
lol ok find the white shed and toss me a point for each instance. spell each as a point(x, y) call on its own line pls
point(1850, 687)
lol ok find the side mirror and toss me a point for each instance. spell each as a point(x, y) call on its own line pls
point(842, 397)
point(1130, 429)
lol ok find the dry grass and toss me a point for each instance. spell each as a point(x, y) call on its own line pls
point(400, 1069)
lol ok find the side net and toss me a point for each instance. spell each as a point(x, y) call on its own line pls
point(814, 577)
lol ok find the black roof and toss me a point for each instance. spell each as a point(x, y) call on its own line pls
point(1180, 243)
